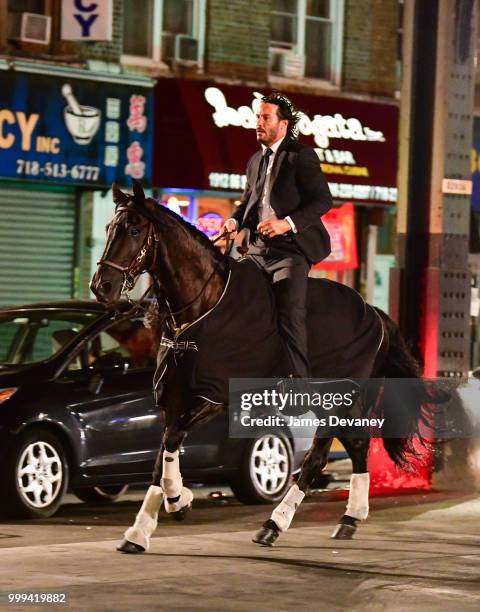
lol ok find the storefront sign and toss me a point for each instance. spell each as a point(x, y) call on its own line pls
point(323, 128)
point(475, 165)
point(340, 224)
point(456, 186)
point(86, 20)
point(210, 129)
point(210, 223)
point(74, 131)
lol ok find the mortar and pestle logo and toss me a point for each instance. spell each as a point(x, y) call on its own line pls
point(82, 121)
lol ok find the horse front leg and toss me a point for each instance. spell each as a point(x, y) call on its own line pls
point(282, 516)
point(178, 499)
point(137, 537)
point(357, 506)
point(167, 484)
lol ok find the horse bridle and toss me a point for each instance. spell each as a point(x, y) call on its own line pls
point(135, 266)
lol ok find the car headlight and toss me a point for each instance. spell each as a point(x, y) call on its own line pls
point(6, 394)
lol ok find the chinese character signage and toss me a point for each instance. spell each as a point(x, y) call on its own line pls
point(74, 131)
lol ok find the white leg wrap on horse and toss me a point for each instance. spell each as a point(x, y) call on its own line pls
point(357, 506)
point(146, 519)
point(185, 499)
point(171, 478)
point(284, 512)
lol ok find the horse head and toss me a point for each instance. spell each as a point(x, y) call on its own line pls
point(131, 245)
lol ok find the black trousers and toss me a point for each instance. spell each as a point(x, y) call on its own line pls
point(288, 270)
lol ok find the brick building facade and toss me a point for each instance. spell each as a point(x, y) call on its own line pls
point(341, 49)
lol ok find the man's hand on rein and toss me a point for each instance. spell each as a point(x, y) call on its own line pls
point(273, 227)
point(230, 225)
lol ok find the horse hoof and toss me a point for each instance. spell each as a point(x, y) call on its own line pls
point(130, 548)
point(181, 514)
point(343, 532)
point(267, 535)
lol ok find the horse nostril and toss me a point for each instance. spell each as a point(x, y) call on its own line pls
point(106, 287)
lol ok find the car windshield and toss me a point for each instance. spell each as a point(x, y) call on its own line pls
point(30, 336)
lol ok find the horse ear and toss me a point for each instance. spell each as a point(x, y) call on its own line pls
point(138, 191)
point(118, 196)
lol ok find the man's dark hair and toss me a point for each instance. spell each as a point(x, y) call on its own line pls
point(286, 110)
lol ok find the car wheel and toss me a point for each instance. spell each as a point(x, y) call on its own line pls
point(101, 495)
point(35, 476)
point(265, 470)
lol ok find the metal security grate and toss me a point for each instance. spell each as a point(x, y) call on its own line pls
point(37, 245)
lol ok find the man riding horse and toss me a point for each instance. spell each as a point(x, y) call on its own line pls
point(285, 196)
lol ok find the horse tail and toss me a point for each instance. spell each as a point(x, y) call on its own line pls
point(405, 412)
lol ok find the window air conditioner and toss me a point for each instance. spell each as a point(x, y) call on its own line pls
point(186, 50)
point(29, 27)
point(286, 63)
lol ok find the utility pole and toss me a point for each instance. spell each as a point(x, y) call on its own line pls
point(431, 284)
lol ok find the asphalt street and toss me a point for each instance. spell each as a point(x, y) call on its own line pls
point(418, 551)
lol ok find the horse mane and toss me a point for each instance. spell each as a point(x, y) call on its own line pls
point(156, 314)
point(195, 234)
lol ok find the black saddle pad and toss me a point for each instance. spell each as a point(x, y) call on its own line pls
point(344, 332)
point(239, 338)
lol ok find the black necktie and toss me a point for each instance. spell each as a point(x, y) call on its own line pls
point(262, 173)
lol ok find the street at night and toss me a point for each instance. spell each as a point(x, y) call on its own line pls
point(416, 552)
point(240, 305)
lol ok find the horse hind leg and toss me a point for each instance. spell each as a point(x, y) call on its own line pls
point(282, 516)
point(357, 506)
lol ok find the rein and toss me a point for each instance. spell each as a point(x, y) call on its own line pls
point(176, 328)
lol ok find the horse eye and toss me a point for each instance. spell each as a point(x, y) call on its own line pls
point(134, 231)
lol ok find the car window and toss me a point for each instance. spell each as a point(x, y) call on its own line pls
point(8, 331)
point(35, 335)
point(127, 341)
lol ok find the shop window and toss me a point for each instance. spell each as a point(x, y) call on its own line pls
point(169, 31)
point(306, 39)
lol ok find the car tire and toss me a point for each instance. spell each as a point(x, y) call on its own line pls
point(34, 478)
point(265, 470)
point(107, 494)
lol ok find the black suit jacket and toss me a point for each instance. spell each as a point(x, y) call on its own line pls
point(298, 189)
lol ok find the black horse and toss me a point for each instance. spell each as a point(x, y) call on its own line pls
point(200, 291)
